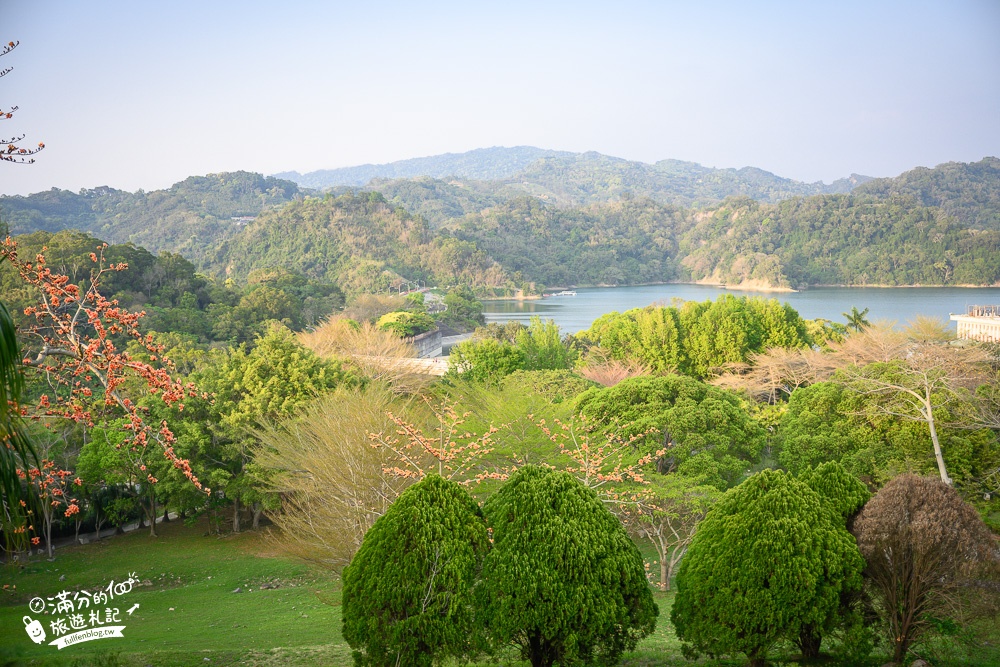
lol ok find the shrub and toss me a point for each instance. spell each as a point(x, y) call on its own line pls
point(406, 324)
point(407, 596)
point(924, 548)
point(769, 560)
point(563, 582)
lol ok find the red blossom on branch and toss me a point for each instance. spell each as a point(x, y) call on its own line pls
point(450, 451)
point(606, 463)
point(72, 335)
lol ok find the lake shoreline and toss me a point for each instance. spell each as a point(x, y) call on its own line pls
point(750, 286)
point(828, 302)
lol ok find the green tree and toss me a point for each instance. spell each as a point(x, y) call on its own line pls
point(16, 451)
point(771, 559)
point(845, 495)
point(856, 319)
point(406, 324)
point(729, 329)
point(485, 361)
point(249, 387)
point(707, 432)
point(543, 348)
point(464, 310)
point(408, 592)
point(563, 582)
point(651, 336)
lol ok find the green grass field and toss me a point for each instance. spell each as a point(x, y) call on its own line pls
point(188, 614)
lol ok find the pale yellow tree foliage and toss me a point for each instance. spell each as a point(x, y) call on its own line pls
point(378, 355)
point(332, 482)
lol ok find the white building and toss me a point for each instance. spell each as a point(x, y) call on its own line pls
point(980, 323)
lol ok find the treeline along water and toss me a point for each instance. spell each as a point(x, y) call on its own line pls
point(575, 313)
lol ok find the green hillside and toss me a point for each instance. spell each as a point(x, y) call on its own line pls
point(359, 242)
point(192, 217)
point(838, 239)
point(968, 191)
point(481, 163)
point(565, 220)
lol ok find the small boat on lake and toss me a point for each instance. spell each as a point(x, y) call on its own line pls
point(564, 293)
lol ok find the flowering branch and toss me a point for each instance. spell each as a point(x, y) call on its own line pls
point(451, 450)
point(74, 331)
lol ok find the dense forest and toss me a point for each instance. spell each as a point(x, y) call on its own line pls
point(599, 221)
point(569, 179)
point(191, 217)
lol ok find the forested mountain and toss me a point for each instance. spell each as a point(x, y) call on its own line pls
point(838, 239)
point(472, 180)
point(968, 191)
point(481, 163)
point(929, 226)
point(359, 242)
point(191, 217)
point(631, 241)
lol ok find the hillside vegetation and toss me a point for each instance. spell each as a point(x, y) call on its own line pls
point(192, 217)
point(564, 219)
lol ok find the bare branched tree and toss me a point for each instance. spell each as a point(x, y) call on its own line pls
point(666, 516)
point(777, 372)
point(378, 355)
point(10, 151)
point(929, 556)
point(912, 378)
point(609, 372)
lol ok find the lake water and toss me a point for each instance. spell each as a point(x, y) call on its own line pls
point(575, 313)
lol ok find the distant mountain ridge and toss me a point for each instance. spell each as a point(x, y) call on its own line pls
point(480, 164)
point(572, 179)
point(937, 226)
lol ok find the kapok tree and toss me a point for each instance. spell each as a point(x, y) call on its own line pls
point(770, 559)
point(54, 489)
point(408, 592)
point(74, 338)
point(447, 449)
point(666, 515)
point(563, 582)
point(925, 548)
point(11, 152)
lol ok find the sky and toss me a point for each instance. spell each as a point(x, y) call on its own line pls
point(144, 94)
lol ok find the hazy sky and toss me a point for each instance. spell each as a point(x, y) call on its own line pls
point(139, 94)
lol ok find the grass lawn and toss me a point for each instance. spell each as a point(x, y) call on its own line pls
point(189, 615)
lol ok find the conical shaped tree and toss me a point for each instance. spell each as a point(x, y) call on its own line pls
point(407, 596)
point(770, 559)
point(563, 581)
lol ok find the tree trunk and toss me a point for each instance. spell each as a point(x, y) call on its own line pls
point(929, 413)
point(538, 652)
point(901, 646)
point(166, 515)
point(756, 658)
point(236, 515)
point(152, 513)
point(258, 509)
point(48, 534)
point(664, 575)
point(809, 642)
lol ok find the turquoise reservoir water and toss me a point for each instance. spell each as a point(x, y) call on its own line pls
point(575, 313)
